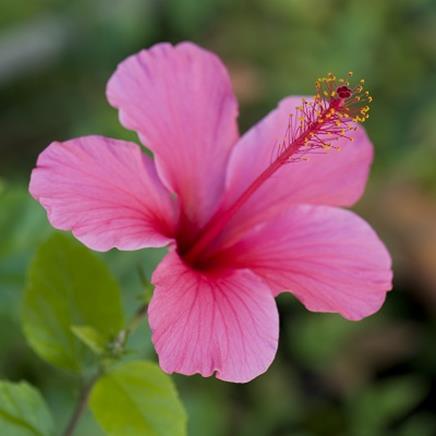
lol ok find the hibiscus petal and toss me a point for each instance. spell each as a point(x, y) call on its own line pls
point(180, 101)
point(329, 258)
point(106, 191)
point(223, 321)
point(335, 178)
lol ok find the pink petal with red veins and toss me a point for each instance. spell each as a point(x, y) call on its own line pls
point(219, 322)
point(329, 258)
point(106, 191)
point(180, 101)
point(334, 178)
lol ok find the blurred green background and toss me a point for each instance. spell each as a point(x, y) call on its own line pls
point(331, 376)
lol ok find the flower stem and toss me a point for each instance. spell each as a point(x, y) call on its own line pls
point(137, 318)
point(81, 405)
point(120, 342)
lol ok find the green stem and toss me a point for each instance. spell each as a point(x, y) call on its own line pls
point(81, 405)
point(137, 318)
point(118, 346)
point(121, 340)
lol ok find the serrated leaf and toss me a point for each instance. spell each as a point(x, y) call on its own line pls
point(137, 398)
point(90, 337)
point(23, 411)
point(68, 286)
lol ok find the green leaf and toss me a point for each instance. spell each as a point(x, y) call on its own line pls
point(23, 223)
point(90, 337)
point(23, 411)
point(23, 226)
point(68, 286)
point(137, 398)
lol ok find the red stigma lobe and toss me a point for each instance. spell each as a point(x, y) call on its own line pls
point(344, 92)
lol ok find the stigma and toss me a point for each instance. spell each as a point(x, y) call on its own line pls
point(351, 102)
point(318, 123)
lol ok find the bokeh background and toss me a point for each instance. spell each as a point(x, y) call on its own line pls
point(331, 376)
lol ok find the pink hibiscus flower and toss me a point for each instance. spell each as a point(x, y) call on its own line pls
point(244, 218)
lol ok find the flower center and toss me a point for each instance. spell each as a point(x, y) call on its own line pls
point(315, 126)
